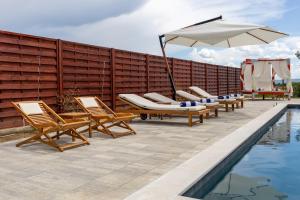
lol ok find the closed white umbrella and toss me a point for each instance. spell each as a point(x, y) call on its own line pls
point(219, 33)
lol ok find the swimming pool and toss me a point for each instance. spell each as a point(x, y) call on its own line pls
point(270, 170)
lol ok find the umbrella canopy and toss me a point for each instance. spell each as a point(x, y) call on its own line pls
point(220, 33)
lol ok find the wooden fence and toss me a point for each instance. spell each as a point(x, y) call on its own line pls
point(54, 70)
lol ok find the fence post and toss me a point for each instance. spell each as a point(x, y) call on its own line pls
point(237, 80)
point(59, 74)
point(113, 81)
point(173, 69)
point(218, 81)
point(227, 71)
point(147, 73)
point(205, 76)
point(192, 78)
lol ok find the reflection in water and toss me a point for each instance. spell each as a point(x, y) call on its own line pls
point(239, 187)
point(279, 132)
point(270, 170)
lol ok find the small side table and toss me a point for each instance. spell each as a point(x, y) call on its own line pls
point(77, 115)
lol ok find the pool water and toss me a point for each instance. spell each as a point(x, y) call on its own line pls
point(270, 170)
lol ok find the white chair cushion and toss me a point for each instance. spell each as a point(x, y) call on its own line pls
point(160, 98)
point(201, 92)
point(31, 108)
point(89, 102)
point(187, 95)
point(211, 104)
point(145, 103)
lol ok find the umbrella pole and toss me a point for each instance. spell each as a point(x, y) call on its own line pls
point(168, 67)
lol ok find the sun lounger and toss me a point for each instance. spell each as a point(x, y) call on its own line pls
point(226, 102)
point(213, 107)
point(106, 119)
point(46, 121)
point(140, 105)
point(203, 93)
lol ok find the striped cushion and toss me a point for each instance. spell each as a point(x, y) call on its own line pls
point(189, 103)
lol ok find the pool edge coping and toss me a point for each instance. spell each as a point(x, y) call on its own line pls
point(174, 183)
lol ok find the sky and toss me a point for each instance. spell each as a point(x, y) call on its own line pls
point(135, 25)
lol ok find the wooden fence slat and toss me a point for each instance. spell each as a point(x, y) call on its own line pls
point(55, 70)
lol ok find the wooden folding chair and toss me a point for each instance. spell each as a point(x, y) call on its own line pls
point(46, 121)
point(105, 119)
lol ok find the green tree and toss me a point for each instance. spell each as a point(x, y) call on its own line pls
point(296, 87)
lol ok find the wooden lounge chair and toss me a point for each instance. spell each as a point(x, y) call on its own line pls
point(105, 119)
point(142, 106)
point(46, 121)
point(202, 93)
point(156, 97)
point(228, 103)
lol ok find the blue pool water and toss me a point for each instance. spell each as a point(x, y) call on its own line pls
point(270, 170)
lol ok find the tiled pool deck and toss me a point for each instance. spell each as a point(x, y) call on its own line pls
point(113, 168)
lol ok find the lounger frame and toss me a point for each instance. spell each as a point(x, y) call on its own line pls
point(138, 110)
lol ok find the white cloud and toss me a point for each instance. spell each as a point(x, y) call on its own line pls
point(138, 30)
point(34, 14)
point(121, 24)
point(284, 48)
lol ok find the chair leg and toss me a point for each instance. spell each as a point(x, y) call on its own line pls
point(105, 130)
point(90, 130)
point(201, 118)
point(190, 122)
point(207, 115)
point(226, 107)
point(73, 138)
point(29, 140)
point(216, 112)
point(79, 136)
point(129, 127)
point(232, 107)
point(51, 142)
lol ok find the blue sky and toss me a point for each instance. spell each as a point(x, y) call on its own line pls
point(289, 22)
point(135, 25)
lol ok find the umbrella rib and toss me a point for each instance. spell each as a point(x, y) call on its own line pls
point(171, 39)
point(274, 31)
point(194, 43)
point(228, 43)
point(257, 38)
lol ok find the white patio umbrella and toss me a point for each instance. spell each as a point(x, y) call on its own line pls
point(218, 33)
